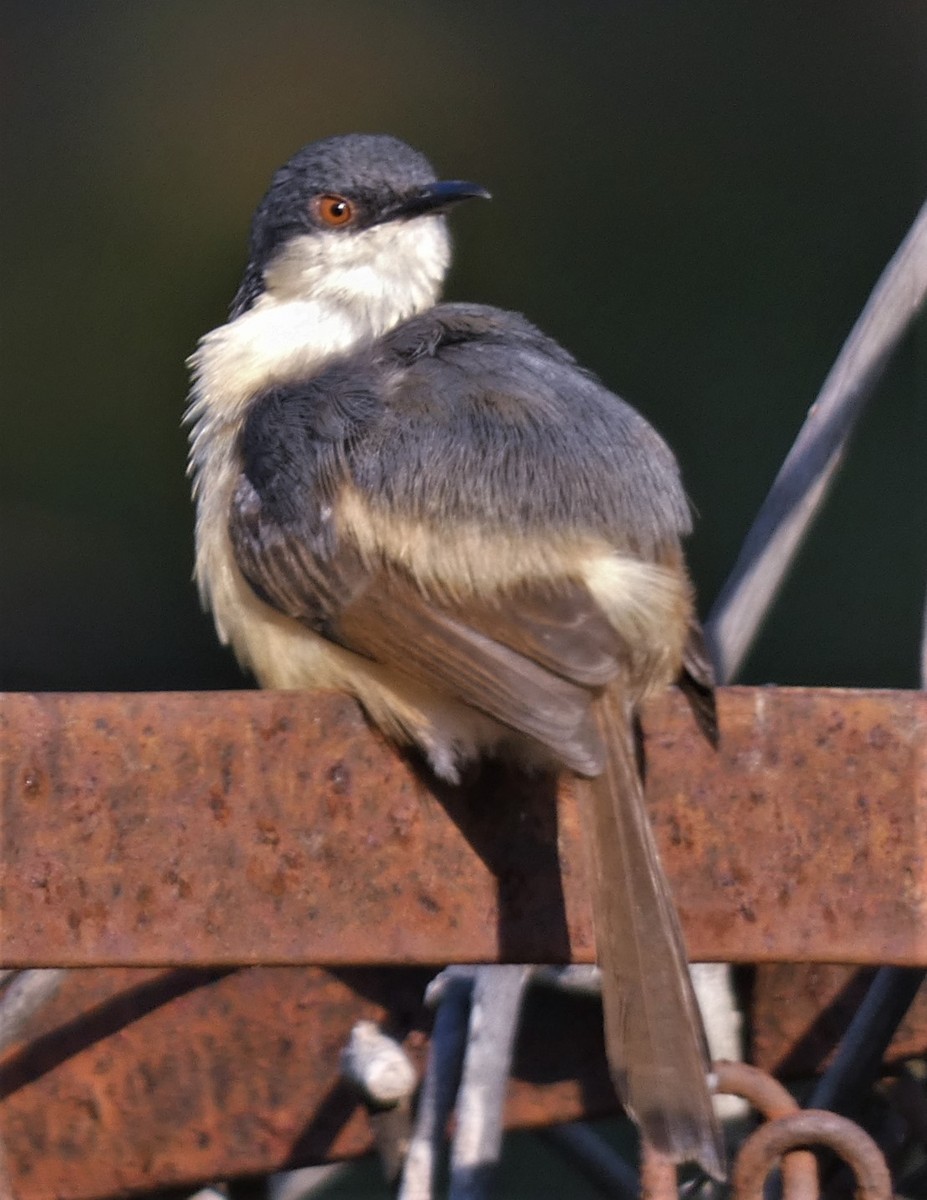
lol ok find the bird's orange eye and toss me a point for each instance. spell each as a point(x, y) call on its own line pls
point(333, 210)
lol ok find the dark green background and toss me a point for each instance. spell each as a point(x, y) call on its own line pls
point(695, 198)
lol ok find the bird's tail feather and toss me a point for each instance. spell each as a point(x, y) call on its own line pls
point(654, 1036)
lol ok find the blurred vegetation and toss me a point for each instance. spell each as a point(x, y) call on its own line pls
point(695, 198)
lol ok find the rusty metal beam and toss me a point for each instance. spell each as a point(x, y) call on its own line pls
point(230, 828)
point(135, 1079)
point(131, 1079)
point(268, 827)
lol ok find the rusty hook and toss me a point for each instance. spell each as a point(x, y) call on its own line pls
point(768, 1096)
point(811, 1127)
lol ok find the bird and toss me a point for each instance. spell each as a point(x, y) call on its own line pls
point(433, 508)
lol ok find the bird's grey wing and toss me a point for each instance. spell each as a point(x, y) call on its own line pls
point(528, 672)
point(528, 657)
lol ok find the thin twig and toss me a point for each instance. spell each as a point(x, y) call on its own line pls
point(441, 1077)
point(495, 1014)
point(801, 485)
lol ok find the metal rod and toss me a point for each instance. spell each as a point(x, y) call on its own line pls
point(803, 480)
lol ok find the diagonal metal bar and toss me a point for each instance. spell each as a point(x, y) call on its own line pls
point(846, 1084)
point(596, 1159)
point(804, 478)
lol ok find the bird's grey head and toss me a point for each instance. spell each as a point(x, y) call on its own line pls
point(357, 221)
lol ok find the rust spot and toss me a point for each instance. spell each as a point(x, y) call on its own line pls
point(402, 817)
point(218, 806)
point(226, 761)
point(267, 834)
point(277, 886)
point(32, 782)
point(339, 777)
point(39, 881)
point(180, 886)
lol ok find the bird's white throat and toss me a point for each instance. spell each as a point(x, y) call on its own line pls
point(378, 276)
point(325, 294)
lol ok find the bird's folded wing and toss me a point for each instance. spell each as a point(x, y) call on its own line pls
point(532, 658)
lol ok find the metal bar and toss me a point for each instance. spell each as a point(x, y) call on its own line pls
point(810, 466)
point(135, 1079)
point(849, 1079)
point(245, 827)
point(595, 1158)
point(800, 1013)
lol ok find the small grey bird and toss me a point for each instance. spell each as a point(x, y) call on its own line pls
point(433, 508)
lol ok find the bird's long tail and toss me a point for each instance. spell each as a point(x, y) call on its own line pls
point(654, 1036)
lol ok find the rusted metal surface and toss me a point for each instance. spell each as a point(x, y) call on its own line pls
point(811, 1127)
point(800, 1012)
point(268, 827)
point(250, 827)
point(132, 1079)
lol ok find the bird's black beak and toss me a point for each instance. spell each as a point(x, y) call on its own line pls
point(434, 198)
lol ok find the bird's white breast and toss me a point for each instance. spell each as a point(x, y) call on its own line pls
point(323, 298)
